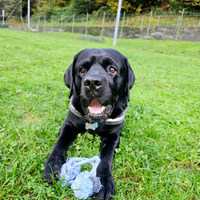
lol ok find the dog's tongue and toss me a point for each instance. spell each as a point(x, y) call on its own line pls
point(95, 107)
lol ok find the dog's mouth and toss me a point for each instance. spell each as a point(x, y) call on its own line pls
point(95, 107)
point(97, 112)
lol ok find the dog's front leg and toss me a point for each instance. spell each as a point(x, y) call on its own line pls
point(104, 170)
point(57, 158)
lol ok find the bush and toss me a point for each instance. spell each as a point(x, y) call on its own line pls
point(93, 31)
point(4, 26)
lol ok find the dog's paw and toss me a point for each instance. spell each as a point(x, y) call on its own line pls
point(52, 168)
point(107, 191)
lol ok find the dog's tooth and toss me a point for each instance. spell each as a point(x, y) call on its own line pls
point(89, 108)
point(103, 108)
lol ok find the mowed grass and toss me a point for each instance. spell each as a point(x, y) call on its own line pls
point(159, 153)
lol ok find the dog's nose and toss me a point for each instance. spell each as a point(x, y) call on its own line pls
point(93, 82)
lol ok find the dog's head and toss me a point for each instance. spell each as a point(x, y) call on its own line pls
point(100, 78)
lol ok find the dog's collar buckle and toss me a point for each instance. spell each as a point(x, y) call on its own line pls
point(92, 126)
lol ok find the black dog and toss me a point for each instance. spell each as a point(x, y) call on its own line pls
point(99, 82)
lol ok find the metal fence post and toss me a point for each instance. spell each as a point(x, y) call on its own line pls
point(44, 23)
point(178, 20)
point(65, 22)
point(114, 21)
point(158, 21)
point(86, 25)
point(117, 22)
point(22, 20)
point(127, 21)
point(179, 25)
point(3, 14)
point(149, 24)
point(26, 22)
point(199, 23)
point(31, 22)
point(122, 25)
point(21, 15)
point(52, 23)
point(142, 21)
point(61, 22)
point(73, 24)
point(148, 28)
point(102, 24)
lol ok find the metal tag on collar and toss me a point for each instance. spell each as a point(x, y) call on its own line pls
point(91, 126)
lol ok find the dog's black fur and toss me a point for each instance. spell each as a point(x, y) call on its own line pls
point(106, 76)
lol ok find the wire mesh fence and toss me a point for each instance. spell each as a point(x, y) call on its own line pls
point(125, 19)
point(151, 26)
point(147, 26)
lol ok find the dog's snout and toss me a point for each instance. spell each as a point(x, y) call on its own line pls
point(93, 82)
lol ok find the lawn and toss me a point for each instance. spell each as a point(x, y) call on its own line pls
point(159, 153)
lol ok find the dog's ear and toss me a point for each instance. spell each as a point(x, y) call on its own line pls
point(69, 75)
point(130, 78)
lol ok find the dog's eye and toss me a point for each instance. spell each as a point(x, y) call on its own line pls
point(112, 69)
point(82, 70)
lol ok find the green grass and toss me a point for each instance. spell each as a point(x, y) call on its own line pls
point(179, 48)
point(186, 49)
point(159, 154)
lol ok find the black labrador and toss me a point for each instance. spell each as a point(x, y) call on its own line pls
point(99, 82)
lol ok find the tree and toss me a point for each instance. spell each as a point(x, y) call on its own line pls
point(84, 6)
point(33, 6)
point(98, 6)
point(9, 6)
point(1, 5)
point(113, 5)
point(192, 2)
point(62, 3)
